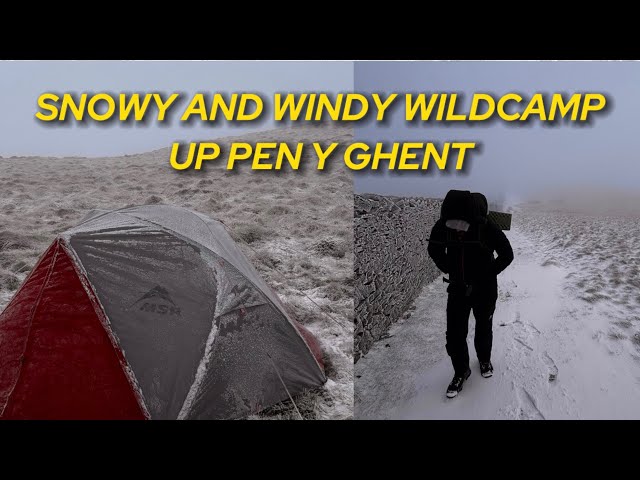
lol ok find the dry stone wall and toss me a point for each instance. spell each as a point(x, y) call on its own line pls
point(391, 262)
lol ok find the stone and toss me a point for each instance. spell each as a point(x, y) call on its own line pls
point(391, 261)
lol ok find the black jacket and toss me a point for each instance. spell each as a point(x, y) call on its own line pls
point(469, 259)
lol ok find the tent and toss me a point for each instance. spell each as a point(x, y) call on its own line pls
point(149, 312)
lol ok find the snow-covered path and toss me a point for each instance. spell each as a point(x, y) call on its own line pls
point(552, 356)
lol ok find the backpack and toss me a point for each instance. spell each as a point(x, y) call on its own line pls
point(481, 217)
point(480, 207)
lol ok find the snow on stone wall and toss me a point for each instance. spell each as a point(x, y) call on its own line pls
point(391, 262)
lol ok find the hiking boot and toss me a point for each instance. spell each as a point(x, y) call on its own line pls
point(456, 384)
point(486, 369)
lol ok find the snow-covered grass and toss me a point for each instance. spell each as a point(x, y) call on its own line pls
point(295, 227)
point(603, 254)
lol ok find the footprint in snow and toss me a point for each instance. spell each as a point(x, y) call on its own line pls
point(517, 320)
point(527, 405)
point(551, 365)
point(523, 343)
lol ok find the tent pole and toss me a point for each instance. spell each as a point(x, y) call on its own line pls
point(285, 387)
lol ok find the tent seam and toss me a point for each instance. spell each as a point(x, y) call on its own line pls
point(115, 342)
point(31, 316)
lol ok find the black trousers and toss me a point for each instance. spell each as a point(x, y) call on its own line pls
point(459, 306)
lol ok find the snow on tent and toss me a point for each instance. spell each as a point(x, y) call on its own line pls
point(149, 312)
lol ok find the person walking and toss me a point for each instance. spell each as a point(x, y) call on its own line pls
point(462, 245)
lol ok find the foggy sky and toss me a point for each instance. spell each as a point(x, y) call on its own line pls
point(22, 82)
point(515, 160)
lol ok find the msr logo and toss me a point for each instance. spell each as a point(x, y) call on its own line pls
point(157, 301)
point(161, 309)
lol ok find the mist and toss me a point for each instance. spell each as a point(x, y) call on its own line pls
point(514, 161)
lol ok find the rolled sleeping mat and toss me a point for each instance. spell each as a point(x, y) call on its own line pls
point(501, 219)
